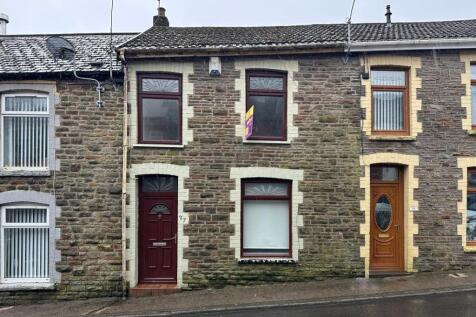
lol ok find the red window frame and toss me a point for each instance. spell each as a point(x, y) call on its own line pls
point(156, 95)
point(406, 101)
point(470, 190)
point(274, 93)
point(288, 197)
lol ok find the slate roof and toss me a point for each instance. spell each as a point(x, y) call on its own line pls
point(29, 54)
point(181, 38)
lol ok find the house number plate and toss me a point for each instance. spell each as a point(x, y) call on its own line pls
point(159, 244)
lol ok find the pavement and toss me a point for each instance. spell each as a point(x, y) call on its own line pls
point(283, 296)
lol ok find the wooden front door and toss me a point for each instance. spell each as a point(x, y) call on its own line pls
point(386, 222)
point(158, 229)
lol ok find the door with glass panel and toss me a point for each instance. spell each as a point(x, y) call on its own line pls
point(386, 223)
point(158, 229)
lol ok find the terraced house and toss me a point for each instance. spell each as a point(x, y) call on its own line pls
point(61, 170)
point(358, 158)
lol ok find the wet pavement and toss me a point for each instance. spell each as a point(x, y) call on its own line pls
point(284, 297)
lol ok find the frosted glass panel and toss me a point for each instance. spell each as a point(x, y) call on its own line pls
point(160, 85)
point(388, 110)
point(473, 72)
point(159, 183)
point(266, 83)
point(266, 189)
point(266, 226)
point(388, 78)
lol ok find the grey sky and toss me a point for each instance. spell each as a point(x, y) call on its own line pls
point(72, 16)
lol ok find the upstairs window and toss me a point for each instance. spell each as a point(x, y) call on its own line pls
point(473, 96)
point(267, 92)
point(390, 113)
point(25, 244)
point(24, 125)
point(266, 218)
point(160, 108)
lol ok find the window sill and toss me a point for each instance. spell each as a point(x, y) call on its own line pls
point(470, 249)
point(171, 146)
point(266, 142)
point(27, 287)
point(24, 173)
point(267, 261)
point(392, 138)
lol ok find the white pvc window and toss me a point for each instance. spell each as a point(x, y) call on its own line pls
point(24, 244)
point(24, 125)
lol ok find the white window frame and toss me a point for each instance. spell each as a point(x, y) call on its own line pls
point(4, 225)
point(5, 113)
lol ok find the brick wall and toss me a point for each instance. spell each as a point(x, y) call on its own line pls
point(88, 191)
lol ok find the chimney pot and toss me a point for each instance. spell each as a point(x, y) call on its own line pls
point(3, 23)
point(389, 16)
point(161, 19)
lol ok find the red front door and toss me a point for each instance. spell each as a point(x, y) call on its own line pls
point(157, 232)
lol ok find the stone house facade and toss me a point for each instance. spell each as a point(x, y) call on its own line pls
point(251, 155)
point(61, 173)
point(357, 163)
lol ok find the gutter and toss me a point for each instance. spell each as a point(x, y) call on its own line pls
point(124, 174)
point(413, 45)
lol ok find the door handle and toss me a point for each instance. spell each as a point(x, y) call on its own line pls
point(170, 239)
point(397, 227)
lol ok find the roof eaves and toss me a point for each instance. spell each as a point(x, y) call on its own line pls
point(230, 51)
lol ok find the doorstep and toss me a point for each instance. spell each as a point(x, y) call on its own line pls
point(152, 289)
point(381, 274)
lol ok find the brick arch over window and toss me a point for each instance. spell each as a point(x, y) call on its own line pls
point(20, 197)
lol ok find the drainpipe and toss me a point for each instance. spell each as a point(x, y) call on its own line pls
point(124, 172)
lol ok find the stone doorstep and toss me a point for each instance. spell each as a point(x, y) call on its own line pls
point(153, 289)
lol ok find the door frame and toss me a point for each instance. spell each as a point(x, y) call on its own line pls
point(157, 196)
point(131, 232)
point(410, 163)
point(401, 250)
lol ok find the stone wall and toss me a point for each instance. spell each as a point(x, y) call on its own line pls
point(326, 150)
point(88, 191)
point(438, 146)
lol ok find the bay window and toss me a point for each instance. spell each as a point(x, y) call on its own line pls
point(24, 125)
point(390, 110)
point(160, 108)
point(267, 92)
point(266, 218)
point(25, 244)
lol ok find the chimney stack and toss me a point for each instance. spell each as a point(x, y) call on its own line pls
point(3, 23)
point(389, 16)
point(161, 19)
